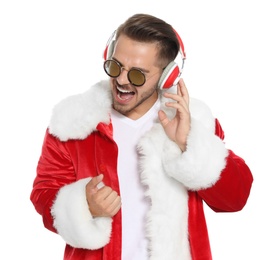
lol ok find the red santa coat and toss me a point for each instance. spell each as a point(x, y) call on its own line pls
point(79, 145)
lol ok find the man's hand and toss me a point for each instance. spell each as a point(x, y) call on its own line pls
point(103, 202)
point(177, 129)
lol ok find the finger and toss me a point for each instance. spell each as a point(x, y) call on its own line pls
point(180, 92)
point(111, 204)
point(183, 90)
point(93, 185)
point(163, 118)
point(108, 194)
point(96, 180)
point(115, 206)
point(179, 100)
point(180, 108)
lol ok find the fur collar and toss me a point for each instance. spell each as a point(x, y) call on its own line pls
point(76, 116)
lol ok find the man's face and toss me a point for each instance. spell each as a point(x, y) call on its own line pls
point(128, 99)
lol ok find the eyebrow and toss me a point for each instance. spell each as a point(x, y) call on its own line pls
point(142, 69)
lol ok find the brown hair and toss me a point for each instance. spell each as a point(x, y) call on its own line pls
point(147, 28)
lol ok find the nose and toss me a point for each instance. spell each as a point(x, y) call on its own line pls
point(122, 79)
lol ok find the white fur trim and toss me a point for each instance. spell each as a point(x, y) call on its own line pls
point(168, 174)
point(77, 116)
point(73, 220)
point(200, 111)
point(167, 219)
point(201, 164)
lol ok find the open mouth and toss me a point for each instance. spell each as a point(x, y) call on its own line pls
point(124, 94)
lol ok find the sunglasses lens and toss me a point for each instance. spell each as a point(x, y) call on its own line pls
point(112, 68)
point(136, 77)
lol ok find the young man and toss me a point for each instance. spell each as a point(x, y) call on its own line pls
point(125, 167)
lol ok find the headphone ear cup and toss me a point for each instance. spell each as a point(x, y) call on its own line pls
point(169, 76)
point(108, 52)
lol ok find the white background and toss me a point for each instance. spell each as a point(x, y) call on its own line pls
point(52, 49)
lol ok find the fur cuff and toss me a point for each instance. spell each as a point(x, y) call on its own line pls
point(200, 166)
point(74, 222)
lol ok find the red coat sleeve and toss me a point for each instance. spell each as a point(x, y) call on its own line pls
point(231, 191)
point(54, 170)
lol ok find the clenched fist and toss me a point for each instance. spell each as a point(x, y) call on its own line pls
point(103, 201)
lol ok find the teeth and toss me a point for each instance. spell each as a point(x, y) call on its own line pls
point(123, 90)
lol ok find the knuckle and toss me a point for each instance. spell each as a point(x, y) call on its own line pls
point(107, 189)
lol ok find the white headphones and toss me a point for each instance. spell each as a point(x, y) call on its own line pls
point(170, 75)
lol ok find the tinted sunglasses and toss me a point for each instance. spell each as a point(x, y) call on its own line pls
point(135, 76)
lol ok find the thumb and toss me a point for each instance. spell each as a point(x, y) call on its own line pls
point(163, 118)
point(95, 182)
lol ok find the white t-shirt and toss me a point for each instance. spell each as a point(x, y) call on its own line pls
point(134, 204)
